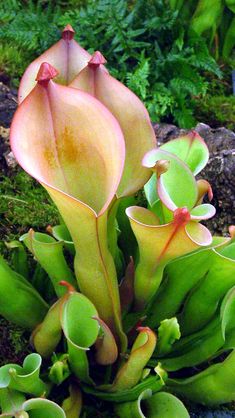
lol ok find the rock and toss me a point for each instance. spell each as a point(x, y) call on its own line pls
point(220, 170)
point(4, 134)
point(4, 147)
point(7, 158)
point(10, 160)
point(8, 104)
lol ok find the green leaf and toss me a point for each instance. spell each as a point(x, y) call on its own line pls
point(229, 251)
point(106, 347)
point(159, 405)
point(159, 244)
point(154, 383)
point(48, 334)
point(228, 312)
point(49, 253)
point(181, 276)
point(202, 212)
point(61, 233)
point(165, 405)
point(19, 301)
point(59, 371)
point(130, 372)
point(126, 238)
point(10, 401)
point(73, 404)
point(26, 378)
point(195, 348)
point(217, 336)
point(190, 148)
point(178, 173)
point(150, 190)
point(43, 408)
point(213, 386)
point(168, 332)
point(202, 303)
point(81, 331)
point(19, 258)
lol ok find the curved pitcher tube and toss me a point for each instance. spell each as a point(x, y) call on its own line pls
point(74, 147)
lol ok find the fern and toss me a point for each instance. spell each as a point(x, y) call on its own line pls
point(138, 79)
point(146, 45)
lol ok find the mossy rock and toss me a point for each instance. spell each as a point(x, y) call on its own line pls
point(217, 111)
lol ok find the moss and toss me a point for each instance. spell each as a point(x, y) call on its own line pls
point(14, 345)
point(24, 204)
point(217, 111)
point(12, 61)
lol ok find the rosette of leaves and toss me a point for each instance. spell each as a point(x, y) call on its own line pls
point(151, 291)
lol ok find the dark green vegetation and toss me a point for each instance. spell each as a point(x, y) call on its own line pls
point(23, 206)
point(215, 110)
point(169, 67)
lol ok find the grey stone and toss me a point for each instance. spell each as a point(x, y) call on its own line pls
point(220, 170)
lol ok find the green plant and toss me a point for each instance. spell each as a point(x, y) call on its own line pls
point(160, 61)
point(151, 293)
point(214, 20)
point(217, 111)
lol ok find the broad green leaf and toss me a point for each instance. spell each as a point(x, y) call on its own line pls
point(230, 4)
point(155, 383)
point(190, 148)
point(196, 348)
point(228, 312)
point(211, 340)
point(228, 251)
point(181, 276)
point(202, 303)
point(28, 308)
point(213, 386)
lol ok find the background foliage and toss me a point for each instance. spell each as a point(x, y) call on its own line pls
point(169, 67)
